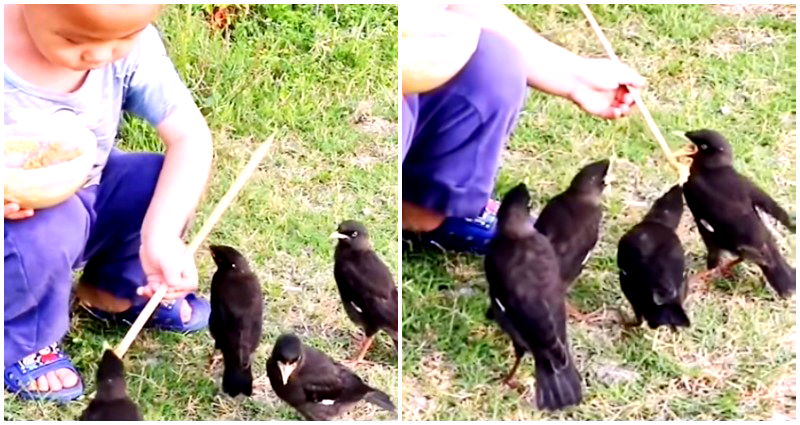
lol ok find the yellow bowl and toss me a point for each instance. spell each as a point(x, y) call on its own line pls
point(434, 46)
point(47, 186)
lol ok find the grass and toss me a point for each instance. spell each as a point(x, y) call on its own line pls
point(706, 67)
point(324, 77)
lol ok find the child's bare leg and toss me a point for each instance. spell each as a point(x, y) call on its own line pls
point(418, 219)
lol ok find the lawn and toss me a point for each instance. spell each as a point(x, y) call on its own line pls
point(324, 78)
point(727, 68)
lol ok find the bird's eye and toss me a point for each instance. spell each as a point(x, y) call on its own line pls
point(355, 233)
point(704, 146)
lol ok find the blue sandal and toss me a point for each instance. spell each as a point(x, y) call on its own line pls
point(165, 317)
point(458, 234)
point(21, 374)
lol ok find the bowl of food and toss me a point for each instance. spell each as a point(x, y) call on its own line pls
point(45, 165)
point(434, 46)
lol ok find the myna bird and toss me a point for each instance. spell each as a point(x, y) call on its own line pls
point(236, 317)
point(725, 206)
point(315, 385)
point(527, 298)
point(368, 291)
point(651, 264)
point(111, 402)
point(571, 221)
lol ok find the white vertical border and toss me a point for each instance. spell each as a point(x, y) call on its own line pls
point(399, 223)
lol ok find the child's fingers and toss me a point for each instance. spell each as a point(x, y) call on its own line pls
point(12, 211)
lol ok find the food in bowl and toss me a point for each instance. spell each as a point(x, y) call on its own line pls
point(44, 167)
point(28, 154)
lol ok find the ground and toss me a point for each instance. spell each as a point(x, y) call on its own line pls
point(727, 68)
point(324, 78)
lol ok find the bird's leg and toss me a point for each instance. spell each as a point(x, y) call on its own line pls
point(359, 358)
point(509, 379)
point(725, 269)
point(576, 315)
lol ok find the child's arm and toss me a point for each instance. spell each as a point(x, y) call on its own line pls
point(180, 185)
point(593, 84)
point(156, 93)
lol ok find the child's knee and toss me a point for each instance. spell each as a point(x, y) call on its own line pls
point(52, 238)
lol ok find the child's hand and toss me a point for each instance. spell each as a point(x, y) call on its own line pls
point(12, 211)
point(164, 261)
point(600, 87)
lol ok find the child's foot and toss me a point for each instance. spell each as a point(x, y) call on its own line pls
point(94, 297)
point(189, 314)
point(55, 381)
point(47, 374)
point(461, 234)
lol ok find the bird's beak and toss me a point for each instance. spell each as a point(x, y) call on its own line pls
point(286, 371)
point(663, 298)
point(609, 178)
point(337, 235)
point(687, 150)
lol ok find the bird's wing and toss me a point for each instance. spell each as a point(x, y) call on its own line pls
point(531, 297)
point(668, 262)
point(541, 320)
point(762, 200)
point(371, 286)
point(572, 232)
point(324, 379)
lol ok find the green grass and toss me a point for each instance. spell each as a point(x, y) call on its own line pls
point(325, 78)
point(737, 361)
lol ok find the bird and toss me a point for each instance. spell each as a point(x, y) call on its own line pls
point(366, 286)
point(236, 317)
point(527, 300)
point(651, 264)
point(571, 221)
point(111, 402)
point(315, 385)
point(726, 207)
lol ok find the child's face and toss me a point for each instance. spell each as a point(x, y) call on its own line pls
point(83, 37)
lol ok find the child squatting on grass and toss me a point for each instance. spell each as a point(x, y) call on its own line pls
point(453, 135)
point(124, 226)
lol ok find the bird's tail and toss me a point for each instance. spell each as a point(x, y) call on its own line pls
point(672, 315)
point(380, 399)
point(781, 276)
point(237, 380)
point(556, 388)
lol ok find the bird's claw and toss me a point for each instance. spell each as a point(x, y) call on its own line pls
point(576, 315)
point(512, 383)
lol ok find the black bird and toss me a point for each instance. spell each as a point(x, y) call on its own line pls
point(571, 221)
point(651, 263)
point(236, 317)
point(725, 203)
point(315, 385)
point(368, 291)
point(111, 402)
point(527, 301)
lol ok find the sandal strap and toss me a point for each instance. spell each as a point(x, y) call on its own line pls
point(167, 316)
point(19, 375)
